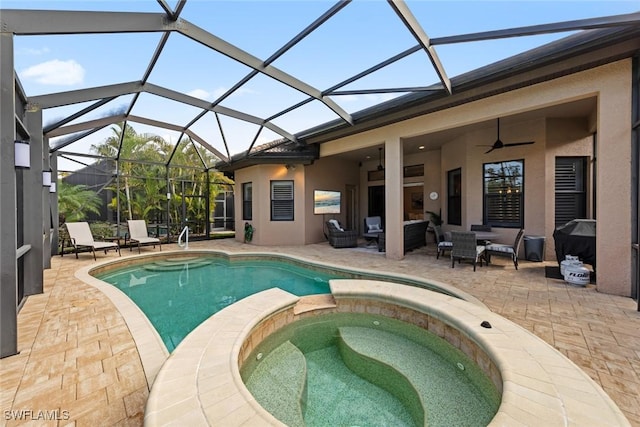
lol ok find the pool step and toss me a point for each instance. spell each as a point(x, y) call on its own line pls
point(279, 383)
point(408, 370)
point(385, 359)
point(176, 264)
point(313, 303)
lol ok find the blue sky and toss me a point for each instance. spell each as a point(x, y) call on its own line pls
point(362, 34)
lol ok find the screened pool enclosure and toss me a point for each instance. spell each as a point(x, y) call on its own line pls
point(143, 176)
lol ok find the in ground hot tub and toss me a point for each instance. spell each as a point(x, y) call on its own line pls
point(366, 369)
point(201, 384)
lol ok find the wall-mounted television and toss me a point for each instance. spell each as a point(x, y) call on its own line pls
point(326, 202)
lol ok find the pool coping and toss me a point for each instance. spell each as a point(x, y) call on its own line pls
point(200, 381)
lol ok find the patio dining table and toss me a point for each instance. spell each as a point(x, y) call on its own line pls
point(486, 235)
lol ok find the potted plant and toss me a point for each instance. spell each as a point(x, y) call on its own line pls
point(434, 217)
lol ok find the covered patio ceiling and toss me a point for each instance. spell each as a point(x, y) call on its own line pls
point(583, 108)
point(220, 75)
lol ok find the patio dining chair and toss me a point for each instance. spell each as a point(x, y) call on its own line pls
point(465, 246)
point(443, 244)
point(510, 251)
point(81, 237)
point(139, 234)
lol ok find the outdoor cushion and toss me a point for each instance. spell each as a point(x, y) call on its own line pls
point(495, 247)
point(336, 224)
point(374, 227)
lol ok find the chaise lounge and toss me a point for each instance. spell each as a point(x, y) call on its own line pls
point(138, 234)
point(81, 237)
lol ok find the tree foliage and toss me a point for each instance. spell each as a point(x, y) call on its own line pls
point(75, 202)
point(150, 167)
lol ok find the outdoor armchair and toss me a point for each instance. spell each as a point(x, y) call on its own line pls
point(81, 237)
point(465, 247)
point(372, 228)
point(339, 237)
point(138, 234)
point(510, 251)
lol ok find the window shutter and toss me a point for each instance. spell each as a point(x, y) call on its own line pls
point(571, 201)
point(247, 201)
point(282, 200)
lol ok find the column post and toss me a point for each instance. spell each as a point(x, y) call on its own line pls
point(393, 196)
point(8, 218)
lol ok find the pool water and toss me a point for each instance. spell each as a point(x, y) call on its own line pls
point(177, 294)
point(339, 389)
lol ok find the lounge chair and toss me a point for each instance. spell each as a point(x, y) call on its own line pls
point(339, 237)
point(138, 234)
point(510, 251)
point(465, 246)
point(81, 237)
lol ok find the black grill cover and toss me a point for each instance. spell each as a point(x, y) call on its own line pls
point(578, 238)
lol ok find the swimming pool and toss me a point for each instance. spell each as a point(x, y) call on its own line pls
point(179, 293)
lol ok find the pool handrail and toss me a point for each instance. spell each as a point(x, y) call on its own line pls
point(185, 232)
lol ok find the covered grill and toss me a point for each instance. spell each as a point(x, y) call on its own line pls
point(578, 238)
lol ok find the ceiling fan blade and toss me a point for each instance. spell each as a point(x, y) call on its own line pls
point(490, 150)
point(513, 144)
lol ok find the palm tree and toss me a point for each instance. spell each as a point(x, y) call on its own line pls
point(195, 182)
point(141, 167)
point(75, 202)
point(128, 146)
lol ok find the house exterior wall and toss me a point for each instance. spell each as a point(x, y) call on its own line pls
point(565, 138)
point(613, 180)
point(611, 84)
point(329, 174)
point(306, 228)
point(269, 232)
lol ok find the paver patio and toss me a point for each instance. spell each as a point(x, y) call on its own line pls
point(78, 363)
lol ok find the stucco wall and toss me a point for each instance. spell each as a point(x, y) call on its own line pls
point(269, 232)
point(611, 84)
point(565, 137)
point(329, 174)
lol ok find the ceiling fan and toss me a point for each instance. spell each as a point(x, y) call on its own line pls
point(499, 144)
point(380, 167)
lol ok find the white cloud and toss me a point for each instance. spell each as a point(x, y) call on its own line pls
point(218, 92)
point(200, 93)
point(56, 72)
point(32, 51)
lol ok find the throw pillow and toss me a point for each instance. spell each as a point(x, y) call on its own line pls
point(374, 227)
point(336, 224)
